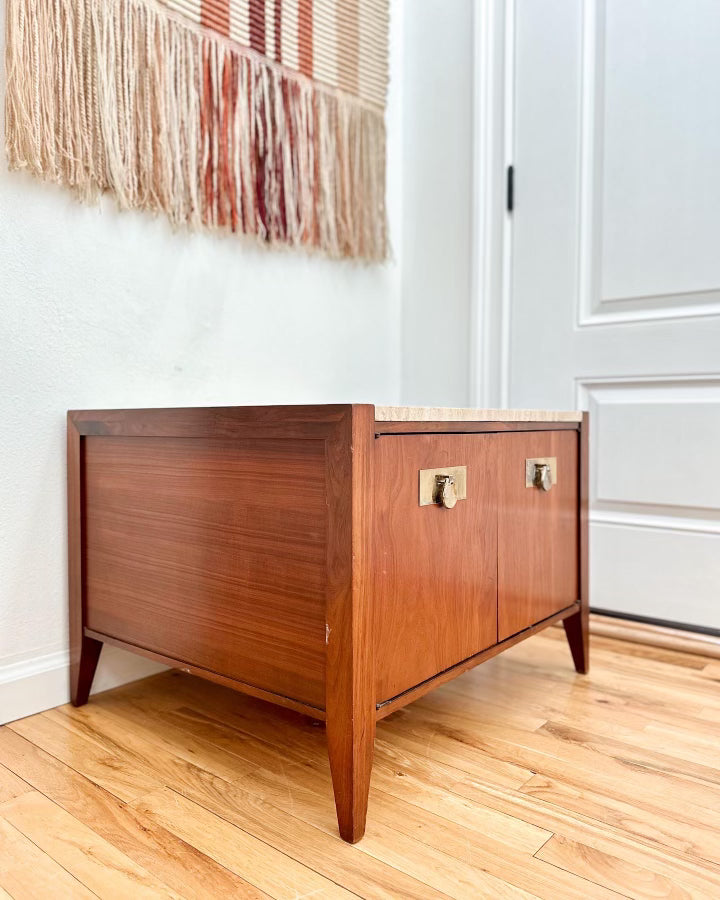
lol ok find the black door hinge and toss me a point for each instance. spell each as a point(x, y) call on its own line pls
point(510, 189)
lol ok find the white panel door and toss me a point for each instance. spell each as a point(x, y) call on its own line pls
point(613, 281)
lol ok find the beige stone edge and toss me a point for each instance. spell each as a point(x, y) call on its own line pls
point(460, 414)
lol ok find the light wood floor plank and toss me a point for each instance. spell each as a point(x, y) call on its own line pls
point(253, 798)
point(311, 786)
point(278, 875)
point(516, 684)
point(11, 786)
point(26, 873)
point(702, 876)
point(519, 779)
point(311, 798)
point(99, 767)
point(577, 703)
point(150, 737)
point(628, 878)
point(79, 850)
point(423, 779)
point(182, 867)
point(105, 734)
point(554, 756)
point(650, 823)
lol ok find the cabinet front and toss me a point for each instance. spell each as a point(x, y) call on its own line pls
point(537, 526)
point(435, 564)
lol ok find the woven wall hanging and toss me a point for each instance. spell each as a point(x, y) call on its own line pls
point(261, 117)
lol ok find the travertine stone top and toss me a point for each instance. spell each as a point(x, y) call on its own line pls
point(459, 414)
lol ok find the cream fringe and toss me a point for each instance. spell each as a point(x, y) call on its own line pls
point(123, 96)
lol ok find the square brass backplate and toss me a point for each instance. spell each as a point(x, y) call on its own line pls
point(428, 482)
point(539, 461)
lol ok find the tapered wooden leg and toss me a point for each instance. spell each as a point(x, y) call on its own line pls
point(349, 674)
point(350, 747)
point(82, 670)
point(577, 626)
point(84, 651)
point(577, 633)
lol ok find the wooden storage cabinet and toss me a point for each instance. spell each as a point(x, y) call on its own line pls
point(283, 551)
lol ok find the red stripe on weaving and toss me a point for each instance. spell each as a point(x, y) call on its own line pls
point(305, 36)
point(257, 25)
point(278, 30)
point(260, 151)
point(215, 14)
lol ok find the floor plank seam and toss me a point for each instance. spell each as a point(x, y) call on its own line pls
point(590, 880)
point(131, 805)
point(266, 843)
point(40, 849)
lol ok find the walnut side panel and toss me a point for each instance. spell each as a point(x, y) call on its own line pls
point(212, 551)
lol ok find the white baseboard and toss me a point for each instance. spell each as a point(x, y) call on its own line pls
point(31, 686)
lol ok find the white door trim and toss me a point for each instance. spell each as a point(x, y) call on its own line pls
point(489, 312)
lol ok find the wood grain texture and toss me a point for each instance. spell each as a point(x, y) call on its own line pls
point(594, 865)
point(419, 690)
point(435, 584)
point(84, 651)
point(11, 786)
point(350, 708)
point(577, 627)
point(212, 552)
point(178, 865)
point(281, 551)
point(31, 874)
point(92, 860)
point(279, 875)
point(307, 708)
point(537, 531)
point(518, 779)
point(212, 421)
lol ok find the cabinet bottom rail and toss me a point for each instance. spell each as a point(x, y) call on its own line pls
point(388, 706)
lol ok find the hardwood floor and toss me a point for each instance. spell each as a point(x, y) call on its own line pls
point(519, 779)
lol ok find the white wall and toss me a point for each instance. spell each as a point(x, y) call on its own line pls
point(101, 309)
point(437, 202)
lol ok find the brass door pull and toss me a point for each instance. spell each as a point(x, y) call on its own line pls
point(446, 491)
point(543, 476)
point(541, 472)
point(443, 487)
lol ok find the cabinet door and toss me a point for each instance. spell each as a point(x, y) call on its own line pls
point(537, 530)
point(435, 601)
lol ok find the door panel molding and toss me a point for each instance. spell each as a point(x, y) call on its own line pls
point(665, 573)
point(648, 521)
point(592, 308)
point(688, 393)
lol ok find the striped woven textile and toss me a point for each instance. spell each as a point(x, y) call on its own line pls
point(259, 117)
point(341, 43)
